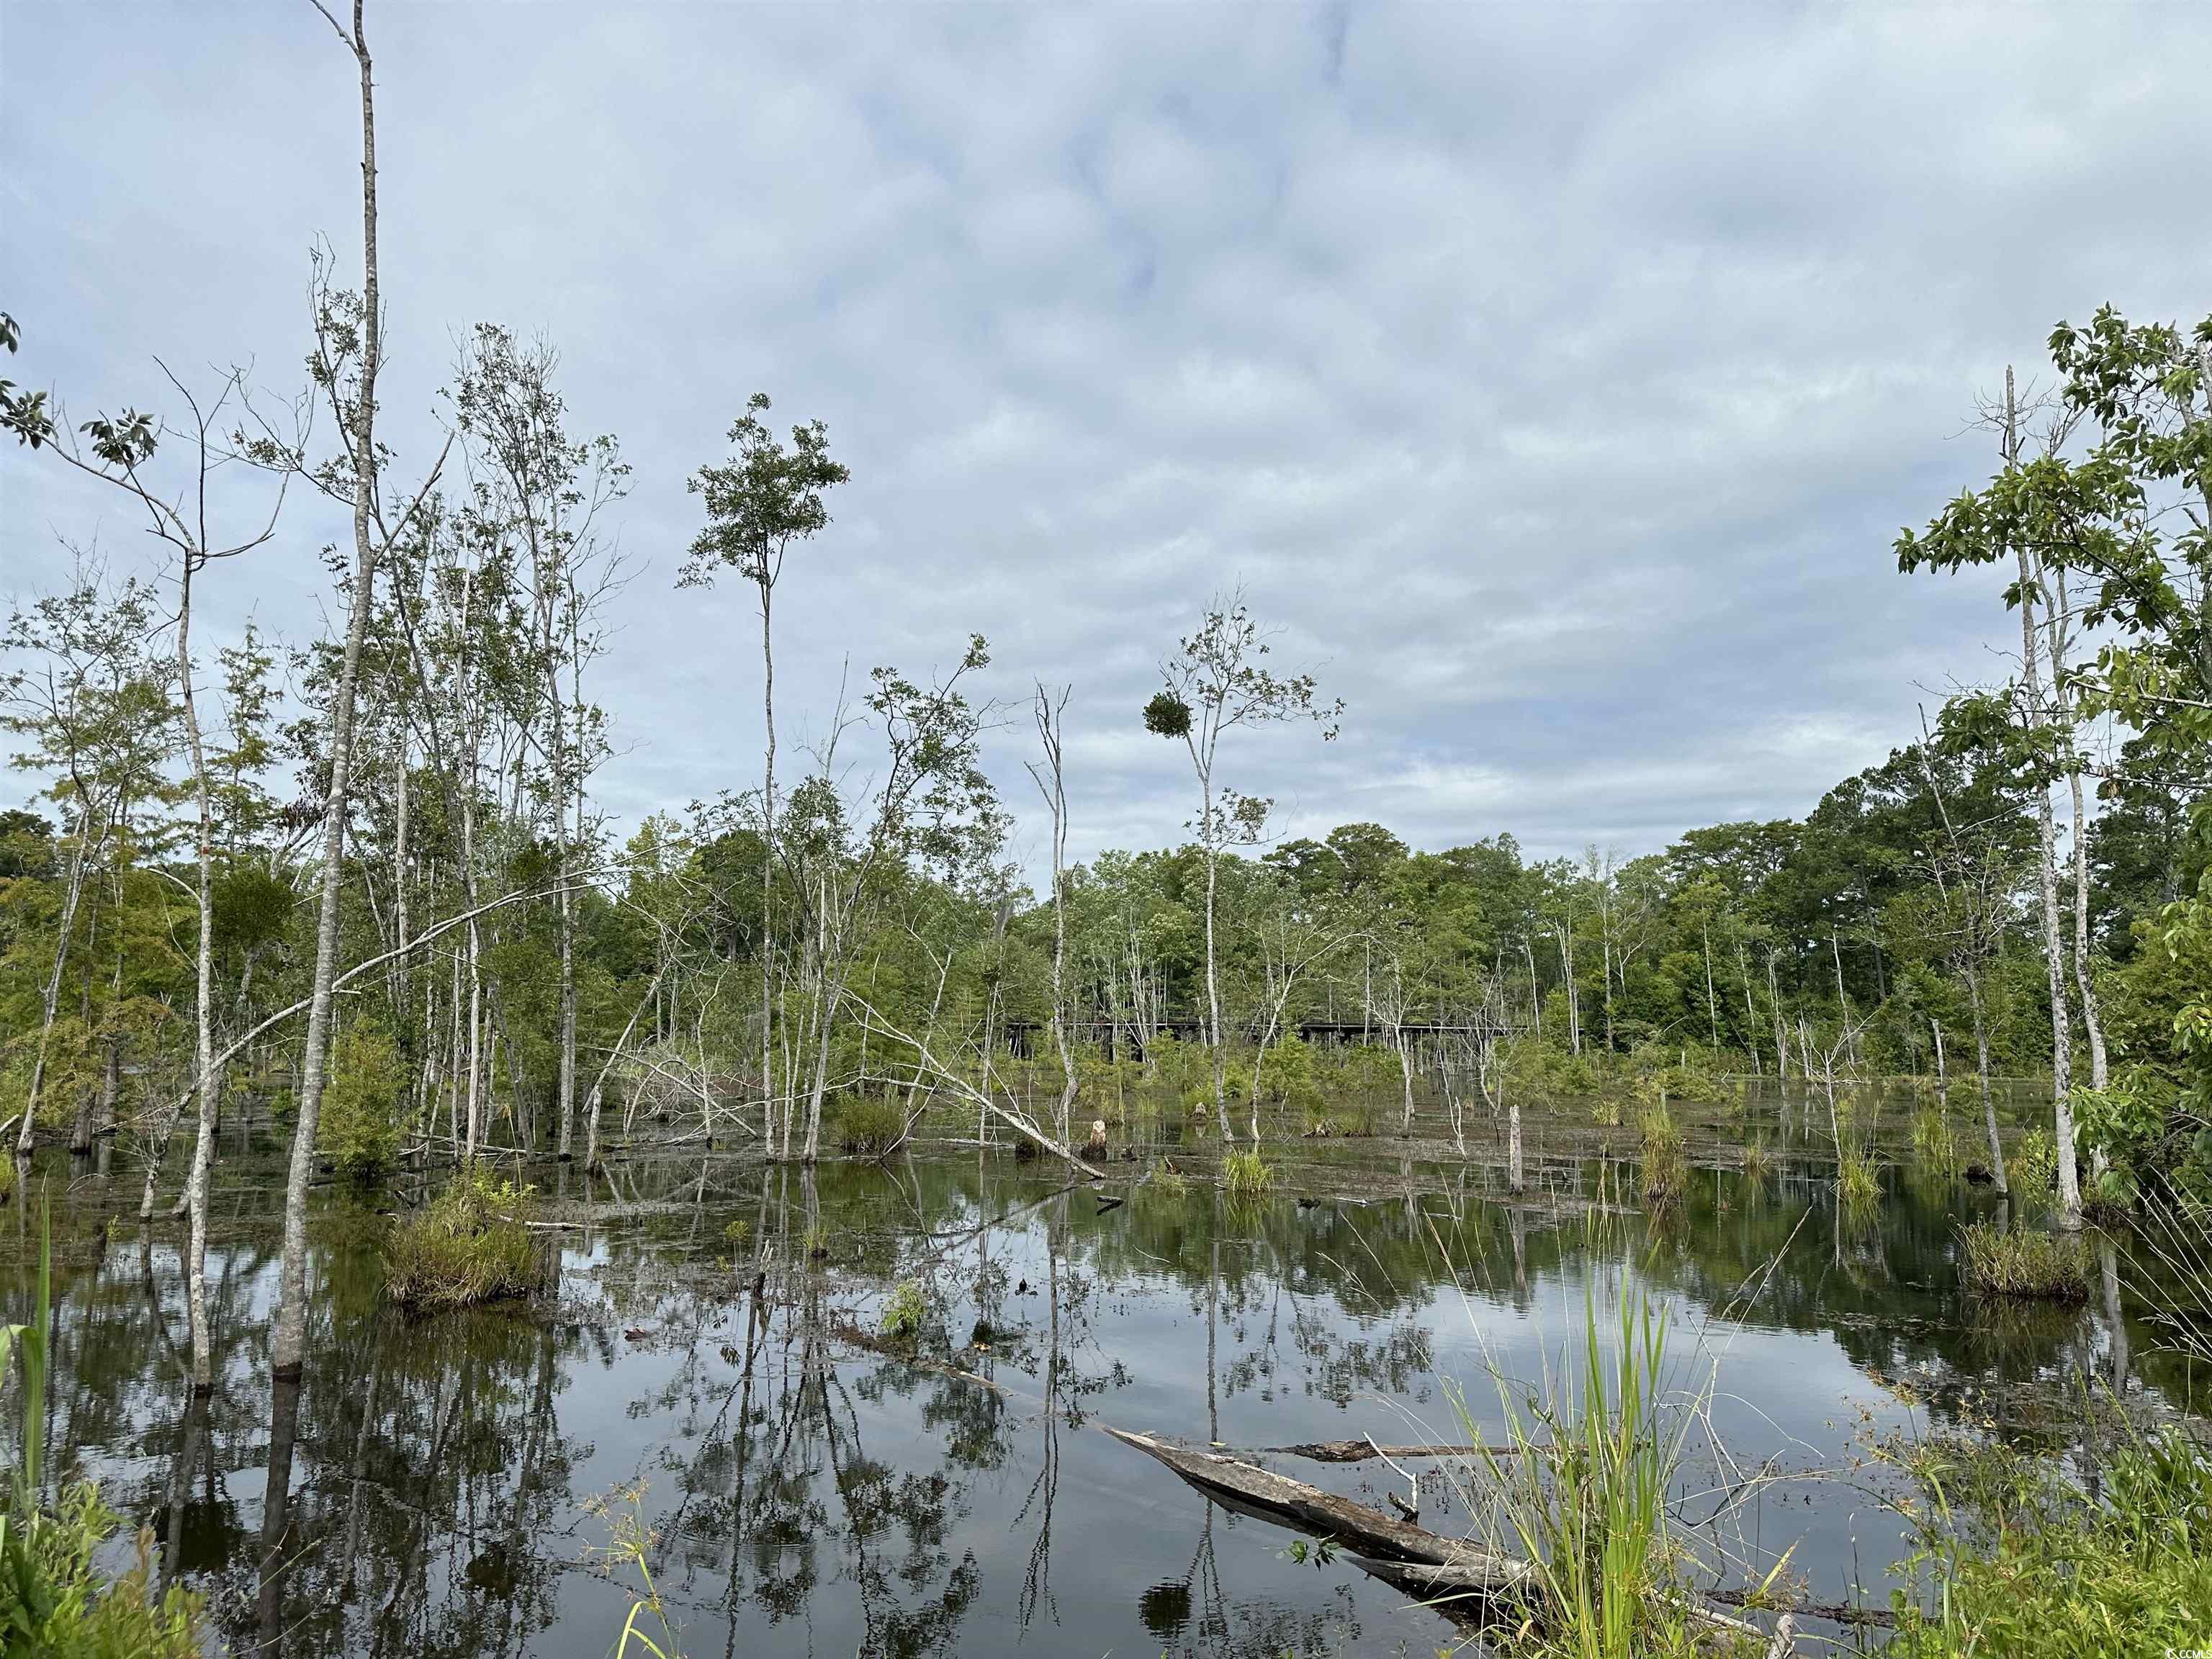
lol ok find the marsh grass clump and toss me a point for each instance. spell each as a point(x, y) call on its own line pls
point(1245, 1175)
point(1757, 1160)
point(1664, 1167)
point(904, 1313)
point(870, 1125)
point(1343, 1114)
point(1170, 1183)
point(2023, 1263)
point(469, 1246)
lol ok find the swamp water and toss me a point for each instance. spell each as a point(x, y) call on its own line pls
point(435, 1486)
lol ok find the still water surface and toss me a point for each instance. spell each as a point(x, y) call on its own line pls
point(430, 1487)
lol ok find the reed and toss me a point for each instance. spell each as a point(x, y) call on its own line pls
point(1581, 1476)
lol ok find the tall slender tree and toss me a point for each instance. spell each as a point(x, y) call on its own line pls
point(348, 356)
point(1216, 682)
point(760, 503)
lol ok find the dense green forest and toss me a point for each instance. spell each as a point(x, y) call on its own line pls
point(512, 974)
point(361, 886)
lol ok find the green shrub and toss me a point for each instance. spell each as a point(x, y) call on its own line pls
point(2012, 1559)
point(2120, 1121)
point(1357, 1069)
point(1104, 1086)
point(871, 1124)
point(2034, 1167)
point(1178, 1066)
point(469, 1246)
point(1290, 1073)
point(54, 1602)
point(2112, 1194)
point(1237, 1083)
point(2024, 1263)
point(1681, 1074)
point(904, 1312)
point(359, 1128)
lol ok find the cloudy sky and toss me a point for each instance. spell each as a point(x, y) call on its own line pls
point(1555, 376)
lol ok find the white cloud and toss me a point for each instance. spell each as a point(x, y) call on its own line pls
point(1556, 376)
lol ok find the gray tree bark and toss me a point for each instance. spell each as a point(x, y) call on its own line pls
point(288, 1330)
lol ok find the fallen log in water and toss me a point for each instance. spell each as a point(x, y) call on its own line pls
point(1460, 1592)
point(1294, 1503)
point(1362, 1451)
point(1433, 1569)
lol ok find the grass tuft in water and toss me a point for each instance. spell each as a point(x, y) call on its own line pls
point(1581, 1477)
point(630, 1544)
point(1245, 1175)
point(471, 1246)
point(870, 1125)
point(1664, 1170)
point(1858, 1187)
point(1935, 1139)
point(2023, 1263)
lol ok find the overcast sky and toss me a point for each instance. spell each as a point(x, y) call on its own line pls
point(1555, 376)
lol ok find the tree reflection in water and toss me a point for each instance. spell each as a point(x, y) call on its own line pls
point(421, 1491)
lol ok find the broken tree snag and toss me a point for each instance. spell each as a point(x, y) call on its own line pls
point(1293, 1503)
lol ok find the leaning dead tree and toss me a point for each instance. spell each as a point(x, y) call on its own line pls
point(948, 1078)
